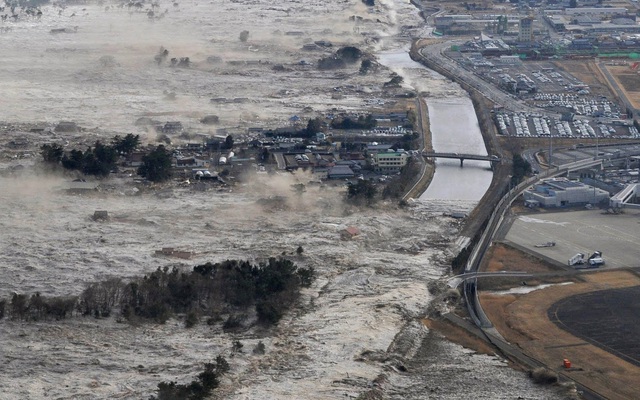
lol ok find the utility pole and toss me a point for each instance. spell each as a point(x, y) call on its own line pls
point(550, 147)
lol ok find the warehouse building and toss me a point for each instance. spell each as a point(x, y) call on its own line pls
point(561, 192)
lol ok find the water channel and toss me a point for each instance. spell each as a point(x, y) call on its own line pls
point(454, 129)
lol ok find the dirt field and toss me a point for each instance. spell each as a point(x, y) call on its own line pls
point(606, 318)
point(587, 72)
point(502, 257)
point(629, 81)
point(523, 321)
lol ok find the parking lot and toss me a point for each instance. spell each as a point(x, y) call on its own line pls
point(537, 125)
point(616, 236)
point(557, 91)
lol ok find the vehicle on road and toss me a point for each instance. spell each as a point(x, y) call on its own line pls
point(578, 259)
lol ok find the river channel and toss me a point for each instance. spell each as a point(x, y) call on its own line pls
point(454, 129)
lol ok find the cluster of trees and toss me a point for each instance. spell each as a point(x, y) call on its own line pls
point(365, 66)
point(395, 81)
point(412, 119)
point(408, 141)
point(398, 187)
point(362, 122)
point(342, 57)
point(36, 307)
point(102, 159)
point(156, 166)
point(520, 169)
point(200, 388)
point(98, 161)
point(362, 192)
point(315, 125)
point(231, 287)
point(209, 289)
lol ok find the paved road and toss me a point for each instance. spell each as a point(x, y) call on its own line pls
point(459, 279)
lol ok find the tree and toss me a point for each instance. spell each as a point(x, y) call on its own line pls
point(73, 161)
point(349, 54)
point(573, 3)
point(198, 389)
point(105, 157)
point(162, 55)
point(156, 166)
point(222, 366)
point(313, 126)
point(228, 143)
point(191, 320)
point(51, 153)
point(260, 348)
point(520, 168)
point(395, 81)
point(299, 250)
point(19, 305)
point(127, 144)
point(244, 36)
point(237, 346)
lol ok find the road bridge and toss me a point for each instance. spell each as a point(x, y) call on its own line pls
point(462, 157)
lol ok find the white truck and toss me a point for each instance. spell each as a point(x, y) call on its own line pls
point(595, 259)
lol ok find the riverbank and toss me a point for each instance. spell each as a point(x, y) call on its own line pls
point(428, 167)
point(482, 107)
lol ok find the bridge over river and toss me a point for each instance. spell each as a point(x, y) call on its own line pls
point(460, 156)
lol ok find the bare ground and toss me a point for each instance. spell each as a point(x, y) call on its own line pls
point(629, 82)
point(503, 257)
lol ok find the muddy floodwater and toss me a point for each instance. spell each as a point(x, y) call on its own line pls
point(357, 328)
